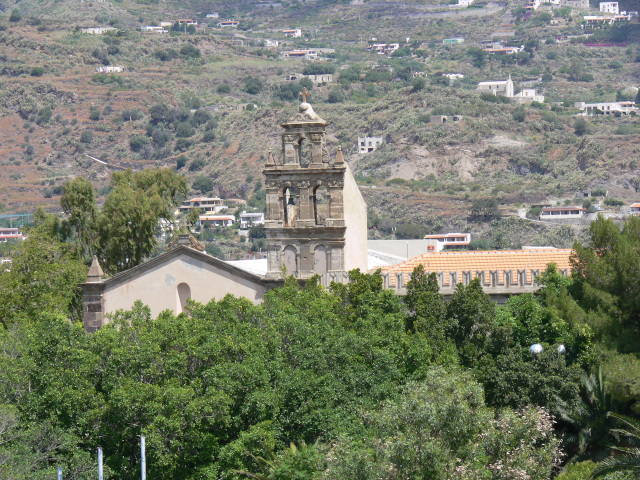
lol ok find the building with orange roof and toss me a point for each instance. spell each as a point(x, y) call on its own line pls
point(635, 209)
point(500, 271)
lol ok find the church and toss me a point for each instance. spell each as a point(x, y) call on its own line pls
point(316, 223)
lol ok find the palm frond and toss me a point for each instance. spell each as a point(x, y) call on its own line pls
point(626, 462)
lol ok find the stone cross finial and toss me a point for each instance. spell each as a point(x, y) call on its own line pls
point(304, 93)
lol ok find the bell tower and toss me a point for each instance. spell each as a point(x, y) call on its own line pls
point(316, 219)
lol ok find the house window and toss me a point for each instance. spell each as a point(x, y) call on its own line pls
point(320, 259)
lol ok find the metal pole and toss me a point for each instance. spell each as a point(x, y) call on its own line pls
point(143, 459)
point(59, 473)
point(100, 473)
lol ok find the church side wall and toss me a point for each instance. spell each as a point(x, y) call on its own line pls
point(158, 287)
point(355, 218)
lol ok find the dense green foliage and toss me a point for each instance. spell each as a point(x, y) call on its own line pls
point(353, 382)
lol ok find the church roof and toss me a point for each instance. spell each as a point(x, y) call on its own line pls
point(484, 261)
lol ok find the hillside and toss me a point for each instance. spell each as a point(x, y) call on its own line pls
point(181, 103)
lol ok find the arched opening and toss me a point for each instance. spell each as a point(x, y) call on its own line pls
point(320, 204)
point(290, 258)
point(184, 293)
point(289, 206)
point(320, 259)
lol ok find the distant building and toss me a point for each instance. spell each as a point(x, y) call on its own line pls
point(213, 15)
point(228, 24)
point(605, 20)
point(465, 3)
point(7, 234)
point(528, 95)
point(532, 5)
point(188, 21)
point(453, 76)
point(499, 50)
point(321, 78)
point(205, 204)
point(271, 43)
point(294, 77)
point(248, 219)
point(369, 144)
point(110, 69)
point(217, 220)
point(503, 88)
point(445, 118)
point(448, 241)
point(635, 209)
point(606, 108)
point(452, 41)
point(609, 7)
point(293, 33)
point(152, 29)
point(549, 213)
point(96, 30)
point(383, 48)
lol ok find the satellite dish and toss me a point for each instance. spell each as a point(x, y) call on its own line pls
point(562, 349)
point(535, 349)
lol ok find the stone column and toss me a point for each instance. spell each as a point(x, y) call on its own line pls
point(317, 142)
point(290, 149)
point(336, 201)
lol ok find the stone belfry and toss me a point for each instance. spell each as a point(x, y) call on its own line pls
point(316, 217)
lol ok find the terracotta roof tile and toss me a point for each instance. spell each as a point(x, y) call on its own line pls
point(484, 261)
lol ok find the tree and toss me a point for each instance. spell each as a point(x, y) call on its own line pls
point(189, 51)
point(419, 83)
point(43, 278)
point(203, 183)
point(87, 136)
point(484, 208)
point(79, 204)
point(131, 214)
point(427, 310)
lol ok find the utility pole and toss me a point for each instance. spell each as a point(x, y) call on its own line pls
point(143, 459)
point(100, 472)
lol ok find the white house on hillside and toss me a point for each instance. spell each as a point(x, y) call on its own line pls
point(609, 7)
point(448, 241)
point(503, 88)
point(606, 108)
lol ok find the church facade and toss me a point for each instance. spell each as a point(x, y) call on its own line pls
point(316, 223)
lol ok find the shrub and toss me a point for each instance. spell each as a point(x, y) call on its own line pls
point(87, 136)
point(580, 126)
point(319, 68)
point(181, 161)
point(37, 71)
point(185, 130)
point(189, 51)
point(224, 88)
point(252, 85)
point(131, 114)
point(519, 114)
point(136, 142)
point(15, 16)
point(197, 164)
point(419, 83)
point(182, 144)
point(612, 202)
point(94, 114)
point(43, 116)
point(209, 136)
point(336, 96)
